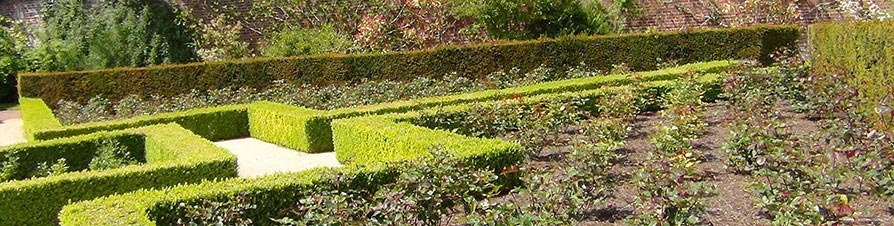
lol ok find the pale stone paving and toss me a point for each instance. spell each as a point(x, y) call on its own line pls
point(11, 130)
point(258, 158)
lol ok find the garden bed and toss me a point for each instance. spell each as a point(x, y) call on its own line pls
point(591, 158)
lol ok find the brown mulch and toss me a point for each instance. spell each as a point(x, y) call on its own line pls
point(734, 202)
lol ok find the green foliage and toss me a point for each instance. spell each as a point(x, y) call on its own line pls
point(36, 116)
point(45, 169)
point(111, 34)
point(290, 126)
point(269, 121)
point(426, 192)
point(375, 140)
point(217, 213)
point(228, 122)
point(672, 188)
point(373, 26)
point(471, 62)
point(171, 156)
point(306, 41)
point(13, 44)
point(530, 19)
point(40, 161)
point(805, 181)
point(340, 95)
point(220, 40)
point(110, 155)
point(860, 52)
point(269, 195)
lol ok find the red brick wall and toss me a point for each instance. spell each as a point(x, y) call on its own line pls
point(683, 14)
point(27, 11)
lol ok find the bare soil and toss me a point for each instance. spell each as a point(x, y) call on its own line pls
point(734, 203)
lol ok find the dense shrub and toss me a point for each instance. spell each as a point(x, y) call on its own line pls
point(529, 19)
point(220, 40)
point(111, 34)
point(13, 44)
point(298, 41)
point(387, 25)
point(638, 51)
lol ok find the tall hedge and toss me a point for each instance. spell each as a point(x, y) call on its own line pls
point(863, 52)
point(638, 51)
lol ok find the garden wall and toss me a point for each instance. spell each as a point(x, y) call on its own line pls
point(637, 51)
point(861, 51)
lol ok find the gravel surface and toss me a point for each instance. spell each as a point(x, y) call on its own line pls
point(11, 131)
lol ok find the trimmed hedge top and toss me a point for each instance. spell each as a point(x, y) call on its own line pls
point(172, 156)
point(213, 123)
point(638, 51)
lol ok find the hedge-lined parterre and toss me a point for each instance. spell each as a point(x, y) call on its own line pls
point(372, 165)
point(170, 154)
point(640, 52)
point(309, 130)
point(366, 144)
point(313, 133)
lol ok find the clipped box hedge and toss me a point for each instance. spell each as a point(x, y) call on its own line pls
point(362, 143)
point(311, 130)
point(863, 52)
point(638, 51)
point(213, 123)
point(272, 193)
point(36, 117)
point(170, 154)
point(375, 140)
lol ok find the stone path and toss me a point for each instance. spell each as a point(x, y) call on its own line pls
point(258, 158)
point(11, 130)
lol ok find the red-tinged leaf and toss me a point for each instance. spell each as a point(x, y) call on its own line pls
point(844, 210)
point(851, 153)
point(508, 170)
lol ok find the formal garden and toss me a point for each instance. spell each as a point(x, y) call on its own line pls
point(750, 125)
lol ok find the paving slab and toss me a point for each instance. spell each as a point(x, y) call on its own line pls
point(11, 128)
point(258, 158)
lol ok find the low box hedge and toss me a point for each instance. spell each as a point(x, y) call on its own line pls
point(313, 133)
point(214, 123)
point(272, 193)
point(171, 155)
point(363, 143)
point(640, 52)
point(375, 140)
point(269, 194)
point(862, 52)
point(36, 116)
point(289, 126)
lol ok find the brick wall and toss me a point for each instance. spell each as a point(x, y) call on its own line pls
point(683, 14)
point(27, 11)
